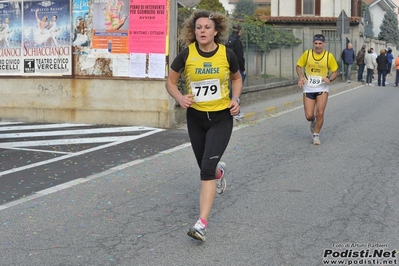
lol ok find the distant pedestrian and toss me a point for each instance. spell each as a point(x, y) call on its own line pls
point(371, 65)
point(374, 54)
point(397, 72)
point(316, 69)
point(390, 60)
point(382, 62)
point(360, 62)
point(348, 57)
point(235, 44)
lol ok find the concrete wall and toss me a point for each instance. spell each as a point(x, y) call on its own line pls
point(117, 102)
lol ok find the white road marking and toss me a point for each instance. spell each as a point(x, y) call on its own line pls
point(72, 132)
point(37, 150)
point(10, 145)
point(109, 142)
point(10, 123)
point(40, 126)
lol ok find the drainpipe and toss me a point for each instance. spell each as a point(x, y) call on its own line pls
point(334, 8)
point(278, 8)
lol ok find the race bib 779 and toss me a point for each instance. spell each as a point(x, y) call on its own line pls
point(206, 90)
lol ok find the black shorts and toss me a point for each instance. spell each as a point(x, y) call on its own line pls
point(313, 95)
point(209, 134)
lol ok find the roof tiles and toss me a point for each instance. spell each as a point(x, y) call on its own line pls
point(301, 19)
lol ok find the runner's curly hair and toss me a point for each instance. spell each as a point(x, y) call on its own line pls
point(187, 35)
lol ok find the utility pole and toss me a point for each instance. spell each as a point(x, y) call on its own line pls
point(343, 28)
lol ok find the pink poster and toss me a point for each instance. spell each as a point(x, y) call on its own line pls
point(148, 26)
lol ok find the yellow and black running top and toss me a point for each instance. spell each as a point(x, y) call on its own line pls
point(207, 75)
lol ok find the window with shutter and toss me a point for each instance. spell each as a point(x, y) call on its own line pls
point(308, 7)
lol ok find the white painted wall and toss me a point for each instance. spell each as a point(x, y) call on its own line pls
point(329, 8)
point(229, 7)
point(377, 16)
point(283, 8)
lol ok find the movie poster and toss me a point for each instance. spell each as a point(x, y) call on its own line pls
point(11, 38)
point(110, 26)
point(47, 38)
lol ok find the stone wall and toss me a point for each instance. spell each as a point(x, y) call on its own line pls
point(97, 101)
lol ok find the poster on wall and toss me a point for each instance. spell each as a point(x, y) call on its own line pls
point(110, 26)
point(148, 26)
point(103, 37)
point(11, 38)
point(148, 35)
point(81, 36)
point(47, 38)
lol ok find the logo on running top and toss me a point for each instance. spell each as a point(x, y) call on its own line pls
point(207, 69)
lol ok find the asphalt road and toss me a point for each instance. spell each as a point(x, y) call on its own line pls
point(287, 202)
point(35, 157)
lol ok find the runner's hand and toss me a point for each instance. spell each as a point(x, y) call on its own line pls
point(186, 100)
point(234, 107)
point(301, 82)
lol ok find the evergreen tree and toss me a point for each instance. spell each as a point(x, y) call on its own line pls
point(364, 7)
point(389, 28)
point(211, 5)
point(244, 8)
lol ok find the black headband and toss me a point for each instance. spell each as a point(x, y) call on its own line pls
point(319, 38)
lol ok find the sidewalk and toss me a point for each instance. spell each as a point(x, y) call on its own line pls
point(267, 107)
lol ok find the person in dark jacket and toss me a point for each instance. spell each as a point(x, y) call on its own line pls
point(360, 62)
point(348, 56)
point(382, 62)
point(235, 44)
point(390, 60)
